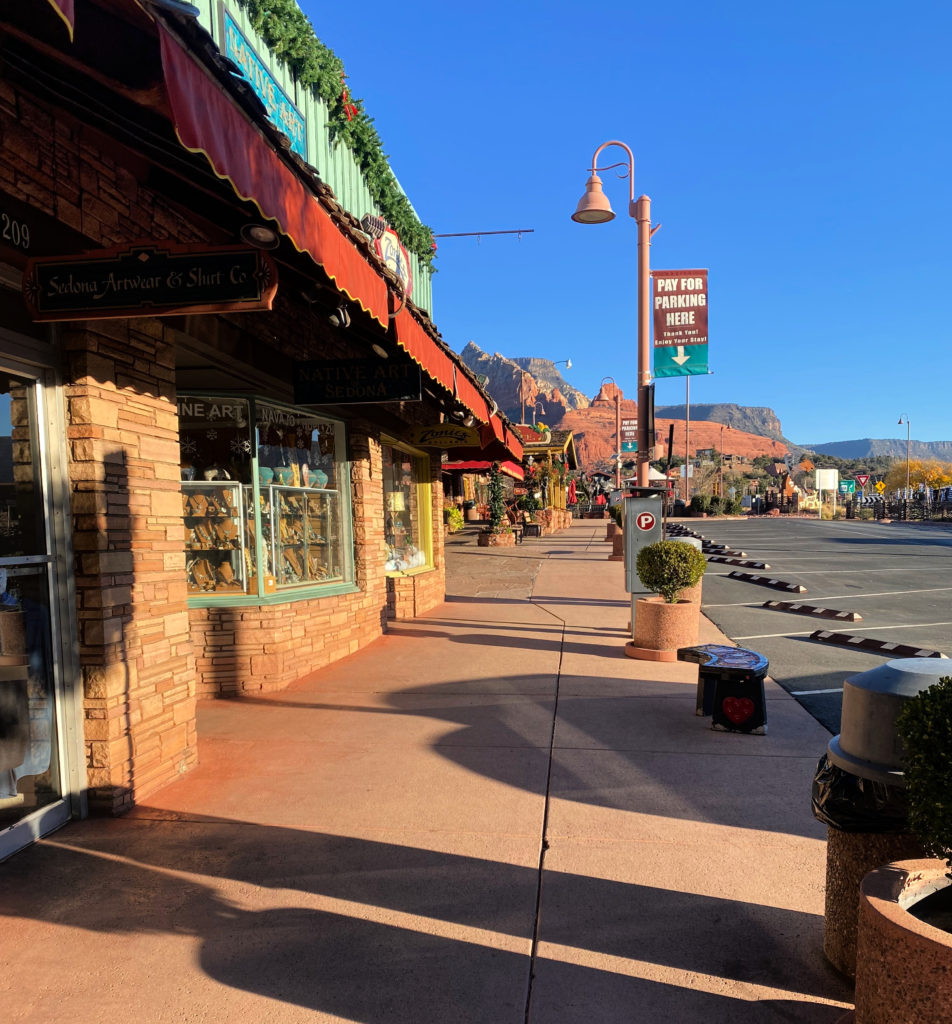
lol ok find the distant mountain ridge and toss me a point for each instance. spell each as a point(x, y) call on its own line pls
point(550, 398)
point(867, 447)
point(537, 379)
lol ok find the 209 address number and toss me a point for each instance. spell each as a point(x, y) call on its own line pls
point(15, 231)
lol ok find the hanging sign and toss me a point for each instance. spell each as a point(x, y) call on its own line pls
point(352, 381)
point(145, 279)
point(391, 251)
point(444, 435)
point(679, 311)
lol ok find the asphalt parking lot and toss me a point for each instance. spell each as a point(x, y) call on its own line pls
point(897, 576)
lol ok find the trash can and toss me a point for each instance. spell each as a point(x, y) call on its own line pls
point(730, 686)
point(859, 793)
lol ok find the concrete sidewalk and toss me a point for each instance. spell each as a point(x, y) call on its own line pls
point(490, 815)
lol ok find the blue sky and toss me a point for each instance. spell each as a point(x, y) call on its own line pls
point(800, 152)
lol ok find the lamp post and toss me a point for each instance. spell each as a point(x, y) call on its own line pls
point(594, 208)
point(537, 405)
point(905, 419)
point(617, 427)
point(558, 362)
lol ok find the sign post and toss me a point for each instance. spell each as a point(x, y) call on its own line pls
point(641, 523)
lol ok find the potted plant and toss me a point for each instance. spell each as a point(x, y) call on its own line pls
point(904, 938)
point(499, 531)
point(665, 623)
point(453, 518)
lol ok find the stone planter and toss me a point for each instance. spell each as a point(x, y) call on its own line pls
point(611, 530)
point(903, 965)
point(618, 548)
point(692, 593)
point(496, 540)
point(661, 628)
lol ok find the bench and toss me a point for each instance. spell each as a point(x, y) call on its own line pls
point(730, 686)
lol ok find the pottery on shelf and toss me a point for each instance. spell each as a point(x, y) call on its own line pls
point(284, 475)
point(265, 475)
point(317, 478)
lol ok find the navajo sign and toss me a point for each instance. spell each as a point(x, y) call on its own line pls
point(679, 313)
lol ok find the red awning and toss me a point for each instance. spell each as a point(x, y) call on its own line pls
point(207, 122)
point(512, 469)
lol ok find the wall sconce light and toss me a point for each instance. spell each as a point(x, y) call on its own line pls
point(380, 350)
point(469, 419)
point(373, 226)
point(260, 236)
point(340, 317)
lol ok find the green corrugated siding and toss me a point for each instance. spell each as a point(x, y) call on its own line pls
point(335, 164)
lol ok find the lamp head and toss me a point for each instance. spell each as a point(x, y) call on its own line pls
point(593, 207)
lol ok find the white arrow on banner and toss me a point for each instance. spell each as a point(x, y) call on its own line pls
point(680, 358)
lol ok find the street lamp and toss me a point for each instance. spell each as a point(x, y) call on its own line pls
point(568, 363)
point(905, 419)
point(594, 208)
point(537, 405)
point(601, 396)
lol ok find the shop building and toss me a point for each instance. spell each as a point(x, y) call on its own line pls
point(222, 413)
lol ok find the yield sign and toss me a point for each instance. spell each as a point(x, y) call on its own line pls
point(862, 479)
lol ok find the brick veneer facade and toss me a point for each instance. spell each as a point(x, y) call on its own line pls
point(145, 656)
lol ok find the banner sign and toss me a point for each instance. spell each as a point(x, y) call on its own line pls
point(629, 435)
point(146, 279)
point(679, 305)
point(281, 110)
point(352, 381)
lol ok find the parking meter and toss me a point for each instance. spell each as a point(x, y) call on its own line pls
point(642, 525)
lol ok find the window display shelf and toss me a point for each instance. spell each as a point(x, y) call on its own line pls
point(214, 534)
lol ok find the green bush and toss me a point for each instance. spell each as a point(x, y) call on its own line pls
point(715, 504)
point(669, 566)
point(732, 507)
point(925, 728)
point(700, 503)
point(615, 512)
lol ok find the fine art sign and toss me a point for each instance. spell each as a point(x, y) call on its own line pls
point(345, 381)
point(147, 279)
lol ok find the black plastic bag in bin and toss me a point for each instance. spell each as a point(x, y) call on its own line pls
point(853, 804)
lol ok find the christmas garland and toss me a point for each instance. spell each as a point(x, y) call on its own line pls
point(291, 37)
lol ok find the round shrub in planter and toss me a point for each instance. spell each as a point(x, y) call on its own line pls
point(670, 566)
point(904, 935)
point(665, 623)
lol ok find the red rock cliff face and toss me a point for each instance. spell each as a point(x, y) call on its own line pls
point(594, 430)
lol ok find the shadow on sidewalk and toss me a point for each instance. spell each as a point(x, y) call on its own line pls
point(154, 875)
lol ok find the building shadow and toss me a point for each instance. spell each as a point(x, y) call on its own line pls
point(378, 932)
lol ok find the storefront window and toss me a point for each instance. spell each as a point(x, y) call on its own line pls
point(29, 772)
point(260, 487)
point(406, 510)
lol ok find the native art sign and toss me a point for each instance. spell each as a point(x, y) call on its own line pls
point(146, 279)
point(679, 312)
point(281, 109)
point(351, 381)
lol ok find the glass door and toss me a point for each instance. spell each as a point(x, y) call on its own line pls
point(32, 780)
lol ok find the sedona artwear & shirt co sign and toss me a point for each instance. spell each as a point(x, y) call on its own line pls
point(146, 279)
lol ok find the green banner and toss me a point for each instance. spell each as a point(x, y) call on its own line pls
point(680, 360)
